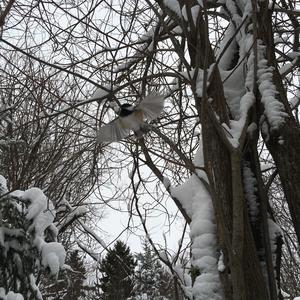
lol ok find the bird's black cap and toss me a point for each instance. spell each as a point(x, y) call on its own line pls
point(125, 110)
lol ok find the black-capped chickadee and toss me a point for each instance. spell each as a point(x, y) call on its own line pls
point(131, 118)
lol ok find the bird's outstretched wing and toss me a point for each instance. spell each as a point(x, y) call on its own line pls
point(112, 132)
point(152, 106)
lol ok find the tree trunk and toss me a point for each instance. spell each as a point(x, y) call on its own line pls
point(283, 144)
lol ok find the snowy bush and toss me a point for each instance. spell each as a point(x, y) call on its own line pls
point(28, 242)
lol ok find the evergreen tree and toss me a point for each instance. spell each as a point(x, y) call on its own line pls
point(117, 271)
point(70, 284)
point(152, 281)
point(75, 288)
point(28, 242)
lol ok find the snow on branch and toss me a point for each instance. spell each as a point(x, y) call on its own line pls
point(274, 109)
point(174, 6)
point(197, 201)
point(27, 233)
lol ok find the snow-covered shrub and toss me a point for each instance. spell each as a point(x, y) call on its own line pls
point(28, 242)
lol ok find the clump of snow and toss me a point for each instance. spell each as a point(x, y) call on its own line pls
point(174, 6)
point(38, 202)
point(163, 254)
point(250, 188)
point(101, 92)
point(274, 109)
point(226, 58)
point(74, 213)
point(232, 8)
point(35, 287)
point(184, 13)
point(53, 256)
point(14, 296)
point(40, 210)
point(233, 89)
point(284, 294)
point(3, 185)
point(200, 2)
point(237, 126)
point(197, 202)
point(280, 140)
point(184, 278)
point(247, 9)
point(195, 12)
point(10, 295)
point(264, 127)
point(221, 265)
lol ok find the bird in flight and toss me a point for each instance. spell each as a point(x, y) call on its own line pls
point(131, 118)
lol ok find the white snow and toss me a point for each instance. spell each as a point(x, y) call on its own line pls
point(14, 296)
point(284, 294)
point(184, 13)
point(75, 213)
point(221, 265)
point(225, 60)
point(40, 211)
point(38, 202)
point(10, 295)
point(200, 2)
point(197, 202)
point(101, 92)
point(3, 185)
point(236, 126)
point(280, 140)
point(250, 188)
point(234, 89)
point(274, 109)
point(195, 11)
point(35, 287)
point(53, 256)
point(173, 5)
point(231, 6)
